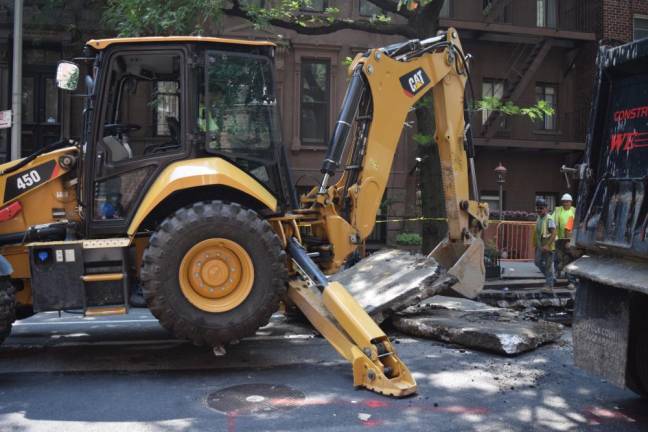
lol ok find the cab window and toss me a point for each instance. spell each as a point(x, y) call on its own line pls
point(142, 115)
point(237, 107)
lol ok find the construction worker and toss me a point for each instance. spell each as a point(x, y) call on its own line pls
point(564, 216)
point(544, 239)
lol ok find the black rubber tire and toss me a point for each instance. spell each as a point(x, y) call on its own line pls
point(7, 307)
point(189, 226)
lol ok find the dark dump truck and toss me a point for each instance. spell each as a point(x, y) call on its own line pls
point(610, 329)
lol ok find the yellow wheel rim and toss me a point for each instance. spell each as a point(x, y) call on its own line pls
point(216, 275)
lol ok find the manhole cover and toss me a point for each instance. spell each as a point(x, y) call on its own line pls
point(248, 399)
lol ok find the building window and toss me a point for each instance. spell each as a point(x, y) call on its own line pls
point(166, 104)
point(548, 93)
point(315, 6)
point(368, 9)
point(549, 197)
point(546, 13)
point(315, 101)
point(640, 26)
point(491, 88)
point(491, 198)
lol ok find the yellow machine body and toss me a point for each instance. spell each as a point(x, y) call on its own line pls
point(195, 173)
point(330, 308)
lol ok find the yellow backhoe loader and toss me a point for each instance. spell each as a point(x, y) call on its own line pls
point(179, 184)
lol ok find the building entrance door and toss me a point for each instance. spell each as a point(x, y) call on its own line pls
point(41, 122)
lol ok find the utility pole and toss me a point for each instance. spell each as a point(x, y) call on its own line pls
point(16, 87)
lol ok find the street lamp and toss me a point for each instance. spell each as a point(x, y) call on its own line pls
point(500, 170)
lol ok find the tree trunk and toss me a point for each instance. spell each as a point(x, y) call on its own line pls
point(432, 199)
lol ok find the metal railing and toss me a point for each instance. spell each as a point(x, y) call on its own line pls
point(567, 15)
point(514, 240)
point(578, 15)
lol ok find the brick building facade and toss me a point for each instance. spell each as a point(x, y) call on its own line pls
point(522, 50)
point(526, 50)
point(623, 20)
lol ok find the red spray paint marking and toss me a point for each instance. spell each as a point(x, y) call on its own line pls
point(372, 423)
point(375, 403)
point(628, 141)
point(378, 403)
point(369, 403)
point(231, 421)
point(597, 415)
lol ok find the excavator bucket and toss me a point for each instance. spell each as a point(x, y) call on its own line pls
point(355, 336)
point(464, 262)
point(348, 328)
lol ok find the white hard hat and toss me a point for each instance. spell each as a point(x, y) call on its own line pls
point(566, 197)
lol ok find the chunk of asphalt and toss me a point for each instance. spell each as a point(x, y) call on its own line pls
point(390, 280)
point(476, 325)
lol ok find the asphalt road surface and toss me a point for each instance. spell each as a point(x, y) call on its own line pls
point(127, 374)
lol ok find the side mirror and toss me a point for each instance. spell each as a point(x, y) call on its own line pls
point(67, 75)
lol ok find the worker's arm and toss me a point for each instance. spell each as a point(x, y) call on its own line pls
point(551, 237)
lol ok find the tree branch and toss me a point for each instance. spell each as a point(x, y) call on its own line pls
point(392, 7)
point(426, 21)
point(336, 25)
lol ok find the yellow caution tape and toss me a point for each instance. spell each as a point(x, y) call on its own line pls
point(412, 219)
point(433, 219)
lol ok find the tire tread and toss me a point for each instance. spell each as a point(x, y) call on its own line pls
point(157, 254)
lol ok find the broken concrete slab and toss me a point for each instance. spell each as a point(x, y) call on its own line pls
point(511, 284)
point(476, 325)
point(391, 280)
point(521, 298)
point(441, 302)
point(557, 306)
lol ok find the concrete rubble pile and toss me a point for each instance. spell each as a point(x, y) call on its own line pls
point(396, 286)
point(476, 325)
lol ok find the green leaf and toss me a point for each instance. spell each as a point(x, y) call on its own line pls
point(534, 112)
point(423, 139)
point(347, 61)
point(406, 238)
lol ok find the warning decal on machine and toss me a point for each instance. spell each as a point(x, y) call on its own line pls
point(415, 81)
point(27, 180)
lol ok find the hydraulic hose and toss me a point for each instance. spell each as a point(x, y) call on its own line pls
point(343, 126)
point(53, 146)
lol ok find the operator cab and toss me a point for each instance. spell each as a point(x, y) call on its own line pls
point(160, 100)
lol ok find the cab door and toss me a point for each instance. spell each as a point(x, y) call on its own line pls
point(140, 129)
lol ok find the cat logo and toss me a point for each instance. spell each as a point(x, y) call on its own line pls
point(414, 82)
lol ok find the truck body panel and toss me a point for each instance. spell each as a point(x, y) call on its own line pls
point(612, 223)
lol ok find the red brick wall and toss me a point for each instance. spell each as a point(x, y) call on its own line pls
point(617, 18)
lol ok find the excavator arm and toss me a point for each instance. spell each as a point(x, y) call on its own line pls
point(384, 86)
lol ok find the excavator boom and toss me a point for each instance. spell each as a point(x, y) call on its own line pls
point(384, 86)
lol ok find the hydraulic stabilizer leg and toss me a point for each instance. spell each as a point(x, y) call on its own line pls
point(349, 329)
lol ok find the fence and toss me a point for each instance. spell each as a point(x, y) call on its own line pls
point(514, 240)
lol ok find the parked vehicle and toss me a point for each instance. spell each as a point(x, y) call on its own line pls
point(610, 328)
